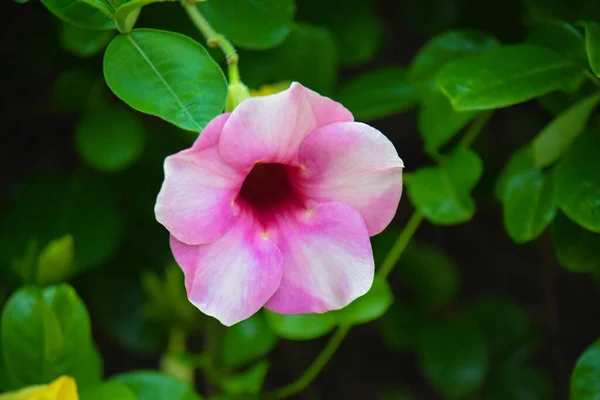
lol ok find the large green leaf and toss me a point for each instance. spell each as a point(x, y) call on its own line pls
point(152, 385)
point(247, 341)
point(301, 327)
point(558, 135)
point(431, 275)
point(110, 139)
point(452, 356)
point(87, 14)
point(111, 390)
point(443, 193)
point(248, 382)
point(45, 334)
point(592, 41)
point(166, 74)
point(438, 121)
point(578, 181)
point(559, 36)
point(585, 379)
point(251, 24)
point(527, 196)
point(83, 42)
point(378, 93)
point(505, 76)
point(576, 248)
point(368, 307)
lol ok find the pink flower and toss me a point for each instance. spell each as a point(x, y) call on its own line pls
point(274, 204)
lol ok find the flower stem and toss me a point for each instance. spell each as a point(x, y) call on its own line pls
point(398, 248)
point(474, 129)
point(171, 363)
point(317, 365)
point(214, 39)
point(334, 342)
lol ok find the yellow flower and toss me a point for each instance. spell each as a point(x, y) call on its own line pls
point(63, 388)
point(266, 90)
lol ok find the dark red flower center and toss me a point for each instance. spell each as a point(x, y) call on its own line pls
point(268, 187)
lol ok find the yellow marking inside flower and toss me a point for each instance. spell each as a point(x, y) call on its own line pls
point(63, 388)
point(264, 235)
point(309, 211)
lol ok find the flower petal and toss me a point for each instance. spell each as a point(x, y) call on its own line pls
point(327, 260)
point(356, 164)
point(233, 277)
point(195, 201)
point(270, 128)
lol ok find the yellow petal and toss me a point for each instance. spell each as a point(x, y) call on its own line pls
point(63, 388)
point(266, 90)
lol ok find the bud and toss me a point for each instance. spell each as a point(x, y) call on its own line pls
point(236, 93)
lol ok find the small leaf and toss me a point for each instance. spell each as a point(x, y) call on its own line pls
point(251, 24)
point(377, 94)
point(527, 196)
point(152, 385)
point(576, 248)
point(109, 140)
point(558, 36)
point(578, 181)
point(86, 14)
point(247, 382)
point(592, 42)
point(442, 193)
point(247, 341)
point(301, 327)
point(585, 379)
point(83, 42)
point(46, 334)
point(368, 307)
point(400, 327)
point(432, 275)
point(166, 74)
point(505, 76)
point(55, 262)
point(558, 135)
point(452, 357)
point(112, 390)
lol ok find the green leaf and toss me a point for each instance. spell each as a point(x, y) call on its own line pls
point(152, 385)
point(301, 327)
point(559, 36)
point(438, 122)
point(110, 139)
point(166, 74)
point(558, 135)
point(72, 89)
point(247, 341)
point(432, 275)
point(112, 390)
point(592, 42)
point(251, 24)
point(442, 193)
point(368, 307)
point(505, 76)
point(527, 195)
point(443, 48)
point(128, 12)
point(578, 181)
point(247, 382)
point(576, 248)
point(585, 379)
point(87, 14)
point(502, 322)
point(305, 45)
point(452, 357)
point(45, 334)
point(378, 93)
point(401, 327)
point(83, 42)
point(55, 262)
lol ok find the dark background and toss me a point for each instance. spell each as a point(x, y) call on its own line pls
point(37, 141)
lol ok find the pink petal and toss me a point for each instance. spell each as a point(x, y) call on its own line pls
point(327, 260)
point(195, 201)
point(270, 129)
point(356, 164)
point(233, 277)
